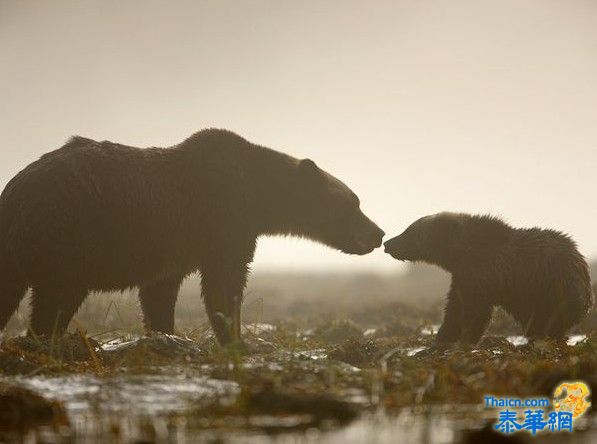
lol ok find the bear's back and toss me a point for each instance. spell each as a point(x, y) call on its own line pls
point(72, 172)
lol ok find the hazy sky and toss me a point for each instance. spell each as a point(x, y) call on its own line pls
point(419, 106)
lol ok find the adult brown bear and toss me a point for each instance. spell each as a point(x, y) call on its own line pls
point(98, 216)
point(537, 275)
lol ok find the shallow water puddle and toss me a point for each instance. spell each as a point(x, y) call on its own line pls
point(315, 355)
point(576, 339)
point(159, 344)
point(181, 400)
point(414, 350)
point(445, 425)
point(430, 330)
point(145, 394)
point(258, 328)
point(519, 340)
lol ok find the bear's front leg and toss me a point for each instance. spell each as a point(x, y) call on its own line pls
point(451, 328)
point(158, 300)
point(222, 290)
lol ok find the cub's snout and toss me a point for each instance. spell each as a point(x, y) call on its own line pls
point(395, 247)
point(388, 245)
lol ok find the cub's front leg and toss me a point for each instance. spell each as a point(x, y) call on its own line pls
point(451, 327)
point(466, 317)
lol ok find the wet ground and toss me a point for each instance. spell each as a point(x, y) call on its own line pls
point(338, 381)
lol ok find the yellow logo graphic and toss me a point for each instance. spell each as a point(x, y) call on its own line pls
point(571, 397)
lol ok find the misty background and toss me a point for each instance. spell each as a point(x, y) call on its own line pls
point(419, 106)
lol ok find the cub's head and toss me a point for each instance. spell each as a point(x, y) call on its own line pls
point(448, 239)
point(330, 213)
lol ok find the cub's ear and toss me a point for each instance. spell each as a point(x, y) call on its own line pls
point(308, 168)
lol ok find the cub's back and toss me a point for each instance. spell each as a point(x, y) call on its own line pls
point(549, 263)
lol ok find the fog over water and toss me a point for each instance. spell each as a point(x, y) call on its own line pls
point(419, 106)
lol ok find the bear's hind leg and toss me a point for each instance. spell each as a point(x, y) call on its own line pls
point(565, 302)
point(157, 302)
point(546, 325)
point(11, 294)
point(53, 308)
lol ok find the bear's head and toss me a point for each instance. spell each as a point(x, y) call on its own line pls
point(330, 213)
point(448, 239)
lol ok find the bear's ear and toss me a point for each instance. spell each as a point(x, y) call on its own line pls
point(307, 164)
point(308, 168)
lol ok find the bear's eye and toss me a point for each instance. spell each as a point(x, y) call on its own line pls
point(341, 212)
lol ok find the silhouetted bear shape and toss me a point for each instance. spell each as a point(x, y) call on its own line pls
point(100, 216)
point(536, 275)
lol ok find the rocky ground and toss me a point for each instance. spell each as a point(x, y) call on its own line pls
point(368, 376)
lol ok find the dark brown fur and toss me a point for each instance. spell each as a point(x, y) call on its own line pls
point(98, 216)
point(537, 275)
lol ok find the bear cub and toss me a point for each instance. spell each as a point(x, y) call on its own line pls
point(536, 275)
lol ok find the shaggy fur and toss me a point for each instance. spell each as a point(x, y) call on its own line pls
point(99, 216)
point(537, 275)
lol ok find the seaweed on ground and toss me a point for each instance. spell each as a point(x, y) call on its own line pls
point(316, 373)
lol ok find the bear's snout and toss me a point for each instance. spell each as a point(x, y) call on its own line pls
point(378, 237)
point(368, 240)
